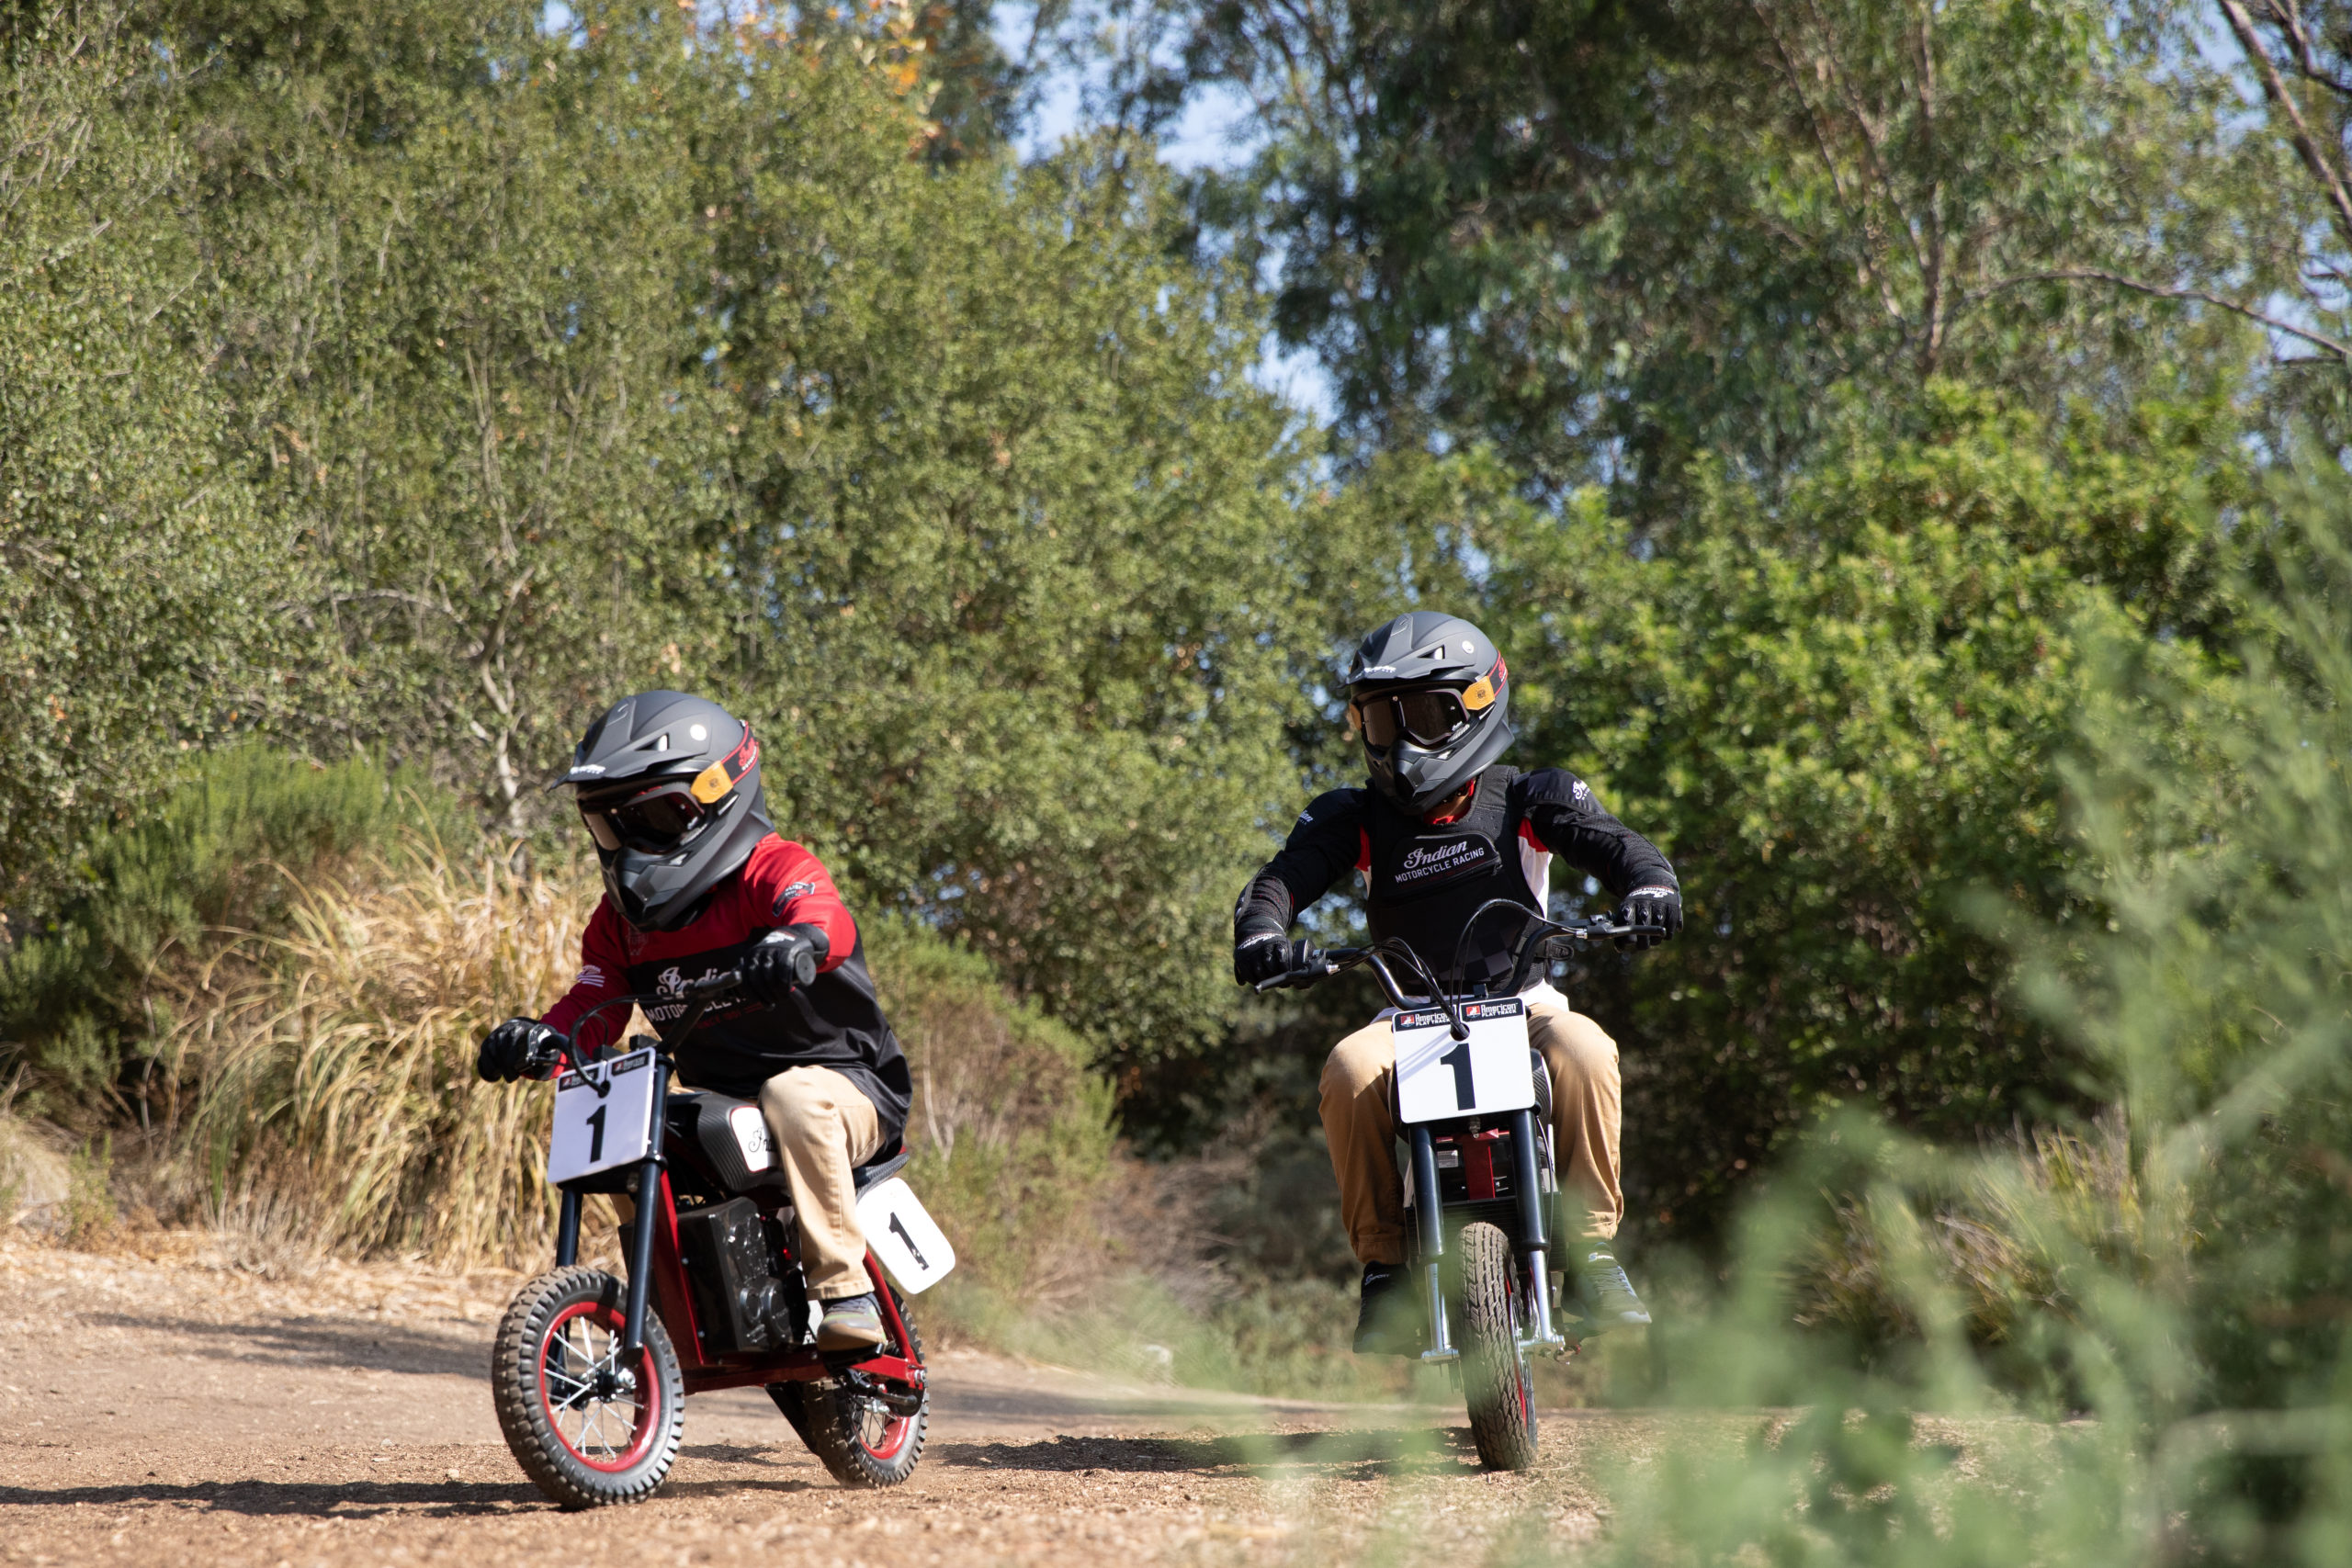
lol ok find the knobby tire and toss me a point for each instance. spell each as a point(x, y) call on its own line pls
point(841, 1428)
point(1496, 1379)
point(582, 1451)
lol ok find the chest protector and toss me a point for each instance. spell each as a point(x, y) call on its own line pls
point(1427, 879)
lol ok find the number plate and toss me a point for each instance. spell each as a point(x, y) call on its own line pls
point(604, 1117)
point(906, 1239)
point(1438, 1076)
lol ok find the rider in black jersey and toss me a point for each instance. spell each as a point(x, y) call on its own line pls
point(1444, 826)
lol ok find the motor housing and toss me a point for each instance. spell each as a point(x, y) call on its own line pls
point(743, 1300)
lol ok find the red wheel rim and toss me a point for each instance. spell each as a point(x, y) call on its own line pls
point(608, 1434)
point(896, 1431)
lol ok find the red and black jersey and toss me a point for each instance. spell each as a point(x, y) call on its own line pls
point(1423, 879)
point(834, 1021)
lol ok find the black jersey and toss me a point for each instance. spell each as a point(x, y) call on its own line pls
point(1423, 881)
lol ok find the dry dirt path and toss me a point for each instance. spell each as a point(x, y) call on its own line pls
point(159, 1410)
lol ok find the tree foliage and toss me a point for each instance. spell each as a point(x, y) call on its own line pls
point(136, 575)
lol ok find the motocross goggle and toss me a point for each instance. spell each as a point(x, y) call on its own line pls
point(1433, 718)
point(661, 817)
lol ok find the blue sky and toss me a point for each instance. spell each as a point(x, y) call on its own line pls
point(1215, 132)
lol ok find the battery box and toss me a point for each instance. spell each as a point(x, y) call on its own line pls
point(730, 1263)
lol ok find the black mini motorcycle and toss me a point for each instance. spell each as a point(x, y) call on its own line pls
point(1474, 1102)
point(591, 1372)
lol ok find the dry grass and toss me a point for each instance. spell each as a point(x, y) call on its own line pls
point(323, 1096)
point(2003, 1241)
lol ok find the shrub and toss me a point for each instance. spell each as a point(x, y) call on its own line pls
point(230, 848)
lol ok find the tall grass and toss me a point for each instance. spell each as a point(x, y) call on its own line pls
point(77, 989)
point(328, 1072)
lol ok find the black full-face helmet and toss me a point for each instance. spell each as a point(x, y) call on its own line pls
point(1430, 698)
point(669, 786)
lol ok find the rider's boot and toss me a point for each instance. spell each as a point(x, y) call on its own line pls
point(850, 1323)
point(1387, 1322)
point(1608, 1296)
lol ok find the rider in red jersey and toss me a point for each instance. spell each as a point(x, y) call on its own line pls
point(697, 882)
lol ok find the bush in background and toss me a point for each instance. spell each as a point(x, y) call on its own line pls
point(228, 849)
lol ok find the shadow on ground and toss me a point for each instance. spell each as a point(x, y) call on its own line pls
point(319, 1342)
point(1344, 1455)
point(295, 1500)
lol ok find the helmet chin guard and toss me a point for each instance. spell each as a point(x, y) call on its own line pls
point(1406, 681)
point(698, 767)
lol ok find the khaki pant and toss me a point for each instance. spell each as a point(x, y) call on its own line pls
point(824, 1128)
point(1360, 1123)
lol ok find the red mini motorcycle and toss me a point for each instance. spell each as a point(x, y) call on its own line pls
point(591, 1372)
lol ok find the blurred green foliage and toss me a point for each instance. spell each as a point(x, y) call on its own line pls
point(2182, 1353)
point(228, 849)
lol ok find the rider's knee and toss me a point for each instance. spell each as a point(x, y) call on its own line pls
point(1578, 1050)
point(1357, 1062)
point(799, 1109)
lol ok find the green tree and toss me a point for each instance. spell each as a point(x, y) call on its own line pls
point(656, 355)
point(139, 591)
point(1842, 717)
point(1609, 238)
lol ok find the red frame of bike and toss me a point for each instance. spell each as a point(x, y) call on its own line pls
point(675, 1305)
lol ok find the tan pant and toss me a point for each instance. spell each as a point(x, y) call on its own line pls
point(1360, 1123)
point(824, 1129)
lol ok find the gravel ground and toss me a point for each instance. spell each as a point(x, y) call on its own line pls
point(162, 1408)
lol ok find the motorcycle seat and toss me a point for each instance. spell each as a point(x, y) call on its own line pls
point(705, 1121)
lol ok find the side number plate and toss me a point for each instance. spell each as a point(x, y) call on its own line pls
point(604, 1117)
point(904, 1237)
point(1438, 1076)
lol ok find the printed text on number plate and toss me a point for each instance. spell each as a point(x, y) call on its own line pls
point(1438, 1075)
point(604, 1117)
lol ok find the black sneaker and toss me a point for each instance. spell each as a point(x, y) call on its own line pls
point(1385, 1323)
point(1608, 1296)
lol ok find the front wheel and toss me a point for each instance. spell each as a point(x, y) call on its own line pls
point(589, 1423)
point(1496, 1375)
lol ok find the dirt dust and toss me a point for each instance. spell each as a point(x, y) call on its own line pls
point(164, 1408)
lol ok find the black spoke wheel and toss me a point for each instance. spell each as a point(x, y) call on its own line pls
point(1496, 1374)
point(589, 1423)
point(862, 1441)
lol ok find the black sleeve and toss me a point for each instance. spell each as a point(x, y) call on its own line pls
point(1574, 826)
point(1322, 847)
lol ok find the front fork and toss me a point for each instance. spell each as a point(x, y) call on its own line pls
point(641, 1259)
point(1432, 1240)
point(1532, 1202)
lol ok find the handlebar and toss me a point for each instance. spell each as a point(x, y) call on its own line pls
point(1559, 939)
point(700, 993)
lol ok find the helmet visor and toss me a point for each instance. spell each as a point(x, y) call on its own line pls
point(651, 822)
point(1431, 718)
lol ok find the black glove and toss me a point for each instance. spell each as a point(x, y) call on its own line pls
point(1261, 957)
point(519, 1048)
point(784, 961)
point(1655, 913)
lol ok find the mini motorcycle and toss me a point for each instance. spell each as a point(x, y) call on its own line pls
point(590, 1372)
point(1474, 1104)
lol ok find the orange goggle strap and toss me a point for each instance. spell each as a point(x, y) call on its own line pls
point(716, 780)
point(1480, 694)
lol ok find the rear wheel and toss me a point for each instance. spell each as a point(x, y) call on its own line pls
point(863, 1441)
point(1496, 1375)
point(589, 1423)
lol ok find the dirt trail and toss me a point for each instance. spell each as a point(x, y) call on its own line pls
point(161, 1410)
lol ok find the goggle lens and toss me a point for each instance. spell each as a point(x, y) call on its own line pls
point(1428, 718)
point(653, 821)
